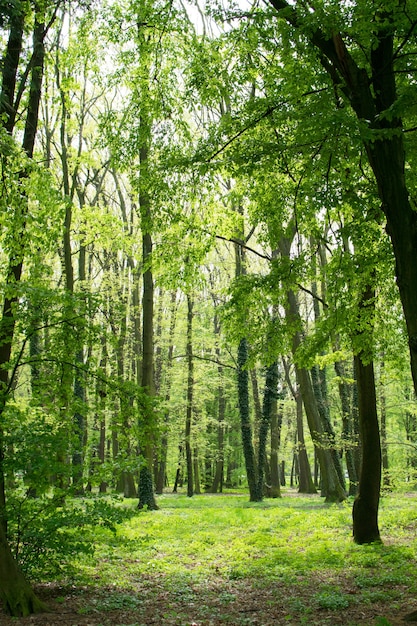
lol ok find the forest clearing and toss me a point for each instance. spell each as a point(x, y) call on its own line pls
point(217, 559)
point(208, 286)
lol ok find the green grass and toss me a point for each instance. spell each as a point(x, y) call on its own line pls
point(299, 546)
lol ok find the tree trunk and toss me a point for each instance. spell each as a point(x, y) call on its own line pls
point(246, 429)
point(365, 507)
point(17, 596)
point(146, 493)
point(350, 441)
point(190, 389)
point(332, 489)
point(276, 423)
point(163, 451)
point(217, 484)
point(270, 397)
point(305, 483)
point(16, 593)
point(319, 380)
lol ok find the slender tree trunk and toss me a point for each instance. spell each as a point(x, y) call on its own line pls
point(217, 484)
point(350, 440)
point(16, 593)
point(332, 488)
point(178, 473)
point(276, 423)
point(196, 472)
point(162, 459)
point(305, 482)
point(319, 380)
point(190, 389)
point(270, 396)
point(246, 430)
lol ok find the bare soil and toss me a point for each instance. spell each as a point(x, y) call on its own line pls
point(237, 603)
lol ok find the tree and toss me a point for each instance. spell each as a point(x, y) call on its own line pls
point(371, 87)
point(17, 595)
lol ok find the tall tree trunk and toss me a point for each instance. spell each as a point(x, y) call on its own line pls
point(350, 441)
point(332, 488)
point(217, 484)
point(10, 62)
point(163, 451)
point(16, 593)
point(190, 390)
point(146, 491)
point(365, 507)
point(319, 380)
point(246, 430)
point(276, 423)
point(270, 397)
point(305, 483)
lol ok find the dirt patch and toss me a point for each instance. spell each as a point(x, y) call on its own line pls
point(237, 603)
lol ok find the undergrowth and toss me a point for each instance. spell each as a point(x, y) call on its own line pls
point(299, 546)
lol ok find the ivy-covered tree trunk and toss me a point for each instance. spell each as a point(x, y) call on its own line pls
point(276, 423)
point(245, 424)
point(270, 396)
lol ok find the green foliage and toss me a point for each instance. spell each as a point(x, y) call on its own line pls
point(332, 599)
point(47, 535)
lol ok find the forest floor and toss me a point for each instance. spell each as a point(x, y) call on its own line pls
point(222, 561)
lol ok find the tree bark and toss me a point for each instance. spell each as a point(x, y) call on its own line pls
point(163, 451)
point(16, 593)
point(305, 483)
point(350, 441)
point(190, 389)
point(270, 397)
point(276, 423)
point(365, 507)
point(246, 429)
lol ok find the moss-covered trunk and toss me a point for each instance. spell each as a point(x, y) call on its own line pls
point(245, 425)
